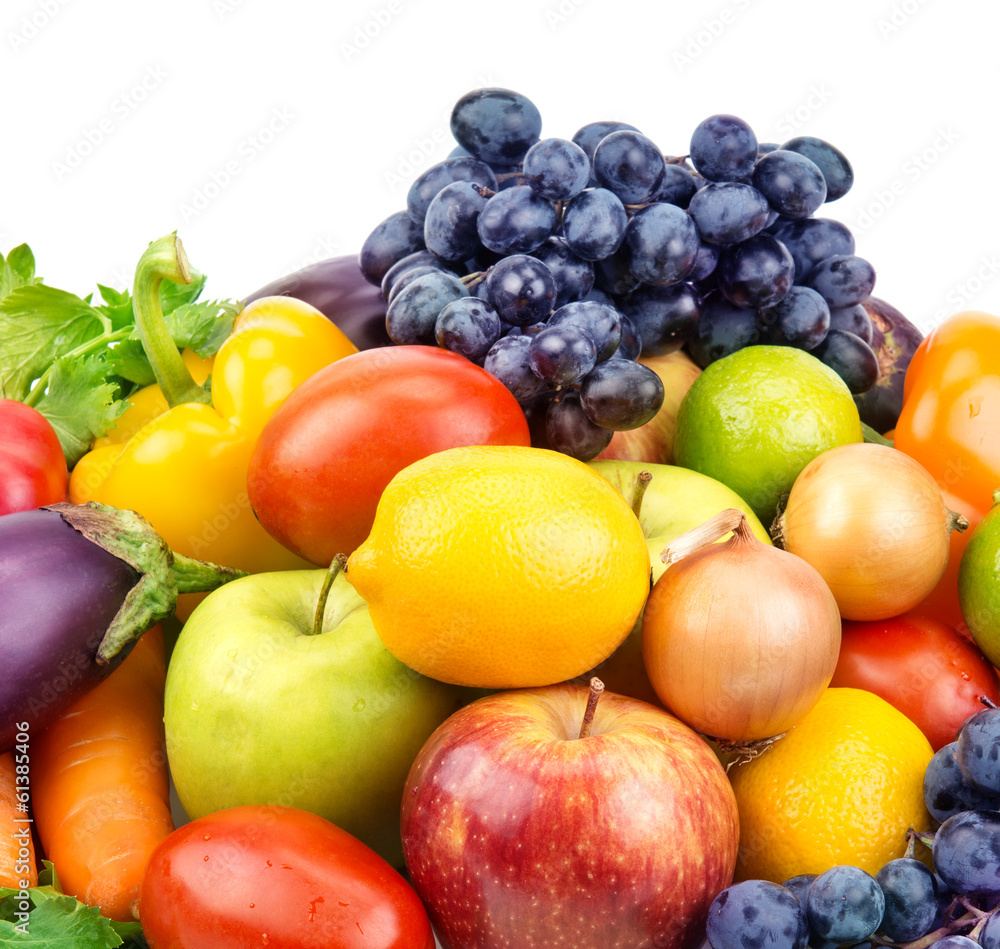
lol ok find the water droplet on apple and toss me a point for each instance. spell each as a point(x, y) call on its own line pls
point(252, 905)
point(359, 706)
point(205, 858)
point(265, 938)
point(206, 837)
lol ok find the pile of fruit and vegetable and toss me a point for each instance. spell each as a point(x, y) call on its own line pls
point(590, 561)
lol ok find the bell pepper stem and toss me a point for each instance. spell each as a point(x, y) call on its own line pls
point(164, 259)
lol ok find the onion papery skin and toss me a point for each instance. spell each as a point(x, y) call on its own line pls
point(874, 523)
point(740, 639)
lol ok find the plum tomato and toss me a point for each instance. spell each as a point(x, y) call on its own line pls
point(926, 669)
point(323, 459)
point(279, 877)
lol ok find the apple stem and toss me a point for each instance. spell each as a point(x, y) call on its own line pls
point(336, 565)
point(642, 480)
point(596, 688)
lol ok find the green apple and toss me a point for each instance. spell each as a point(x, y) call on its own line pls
point(262, 707)
point(675, 500)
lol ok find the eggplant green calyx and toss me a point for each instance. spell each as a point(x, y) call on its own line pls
point(163, 574)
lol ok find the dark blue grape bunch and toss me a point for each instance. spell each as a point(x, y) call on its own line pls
point(705, 252)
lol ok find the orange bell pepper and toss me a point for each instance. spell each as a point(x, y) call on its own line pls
point(950, 423)
point(185, 468)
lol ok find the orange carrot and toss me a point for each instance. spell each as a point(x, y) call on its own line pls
point(99, 786)
point(17, 851)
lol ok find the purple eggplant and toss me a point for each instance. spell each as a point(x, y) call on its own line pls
point(338, 289)
point(78, 585)
point(894, 340)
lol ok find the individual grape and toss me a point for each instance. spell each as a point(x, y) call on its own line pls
point(851, 358)
point(426, 185)
point(910, 899)
point(957, 941)
point(591, 134)
point(727, 212)
point(677, 187)
point(573, 275)
point(601, 322)
point(832, 163)
point(756, 914)
point(793, 185)
point(594, 224)
point(419, 258)
point(946, 791)
point(516, 221)
point(665, 317)
point(853, 319)
point(467, 326)
point(613, 275)
point(764, 148)
point(977, 751)
point(704, 263)
point(496, 125)
point(989, 935)
point(556, 169)
point(628, 164)
point(507, 360)
point(722, 329)
point(662, 244)
point(813, 239)
point(562, 355)
point(723, 148)
point(567, 428)
point(757, 272)
point(411, 316)
point(845, 905)
point(801, 319)
point(630, 346)
point(450, 224)
point(405, 278)
point(799, 885)
point(966, 853)
point(842, 279)
point(391, 240)
point(621, 394)
point(521, 288)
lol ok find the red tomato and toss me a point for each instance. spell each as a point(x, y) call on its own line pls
point(927, 670)
point(32, 463)
point(323, 459)
point(275, 877)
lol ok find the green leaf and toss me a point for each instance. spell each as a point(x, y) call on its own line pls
point(117, 306)
point(58, 922)
point(204, 326)
point(80, 403)
point(173, 295)
point(19, 269)
point(38, 324)
point(128, 359)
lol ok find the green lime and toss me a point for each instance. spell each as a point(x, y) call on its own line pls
point(754, 419)
point(979, 583)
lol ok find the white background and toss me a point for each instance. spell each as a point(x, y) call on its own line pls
point(269, 134)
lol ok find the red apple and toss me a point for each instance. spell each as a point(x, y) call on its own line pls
point(654, 441)
point(517, 831)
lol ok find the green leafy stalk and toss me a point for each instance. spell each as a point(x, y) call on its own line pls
point(164, 259)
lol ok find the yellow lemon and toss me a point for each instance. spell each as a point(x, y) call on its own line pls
point(841, 787)
point(502, 567)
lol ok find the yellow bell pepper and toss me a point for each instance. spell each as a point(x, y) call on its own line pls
point(185, 468)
